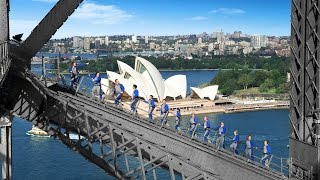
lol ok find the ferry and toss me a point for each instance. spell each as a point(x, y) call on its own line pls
point(35, 131)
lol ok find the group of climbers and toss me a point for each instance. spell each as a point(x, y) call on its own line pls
point(193, 122)
point(221, 133)
point(74, 78)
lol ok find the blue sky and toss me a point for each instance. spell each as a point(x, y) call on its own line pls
point(158, 17)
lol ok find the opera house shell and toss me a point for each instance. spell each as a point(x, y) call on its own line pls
point(148, 79)
point(209, 92)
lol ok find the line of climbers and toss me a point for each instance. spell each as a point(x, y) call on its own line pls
point(221, 130)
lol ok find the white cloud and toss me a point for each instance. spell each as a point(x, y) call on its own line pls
point(47, 1)
point(101, 14)
point(197, 18)
point(228, 11)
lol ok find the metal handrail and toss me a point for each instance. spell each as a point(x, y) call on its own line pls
point(281, 164)
point(5, 61)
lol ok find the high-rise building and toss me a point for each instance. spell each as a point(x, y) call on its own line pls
point(77, 42)
point(199, 40)
point(146, 39)
point(106, 40)
point(86, 44)
point(258, 41)
point(237, 34)
point(134, 39)
point(220, 37)
point(97, 43)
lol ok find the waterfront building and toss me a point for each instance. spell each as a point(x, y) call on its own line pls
point(148, 79)
point(209, 92)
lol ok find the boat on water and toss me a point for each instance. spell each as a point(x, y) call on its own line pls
point(35, 131)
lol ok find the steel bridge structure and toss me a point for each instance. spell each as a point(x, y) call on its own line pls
point(127, 146)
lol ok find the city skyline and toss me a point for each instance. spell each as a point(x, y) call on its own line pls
point(139, 17)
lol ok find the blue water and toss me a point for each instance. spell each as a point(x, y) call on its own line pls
point(272, 125)
point(66, 55)
point(47, 158)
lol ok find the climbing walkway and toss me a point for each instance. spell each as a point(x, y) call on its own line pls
point(112, 134)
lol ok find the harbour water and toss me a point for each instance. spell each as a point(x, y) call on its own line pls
point(47, 158)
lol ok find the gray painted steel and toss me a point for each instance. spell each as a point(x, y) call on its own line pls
point(119, 134)
point(48, 26)
point(4, 20)
point(304, 93)
point(4, 37)
point(107, 126)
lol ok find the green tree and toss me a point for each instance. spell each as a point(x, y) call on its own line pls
point(267, 85)
point(245, 80)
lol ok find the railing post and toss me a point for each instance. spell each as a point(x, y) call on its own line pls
point(6, 147)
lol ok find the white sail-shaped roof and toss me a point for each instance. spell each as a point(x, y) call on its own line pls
point(148, 79)
point(152, 76)
point(176, 86)
point(207, 92)
point(133, 77)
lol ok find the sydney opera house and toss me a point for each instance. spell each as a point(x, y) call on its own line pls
point(150, 82)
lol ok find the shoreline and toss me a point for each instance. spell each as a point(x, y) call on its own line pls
point(206, 107)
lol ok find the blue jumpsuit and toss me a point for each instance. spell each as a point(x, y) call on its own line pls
point(248, 149)
point(266, 154)
point(151, 108)
point(221, 134)
point(178, 120)
point(193, 123)
point(206, 125)
point(118, 91)
point(97, 87)
point(135, 99)
point(164, 111)
point(234, 144)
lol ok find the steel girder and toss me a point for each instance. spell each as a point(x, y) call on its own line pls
point(48, 26)
point(304, 93)
point(162, 147)
point(204, 156)
point(4, 38)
